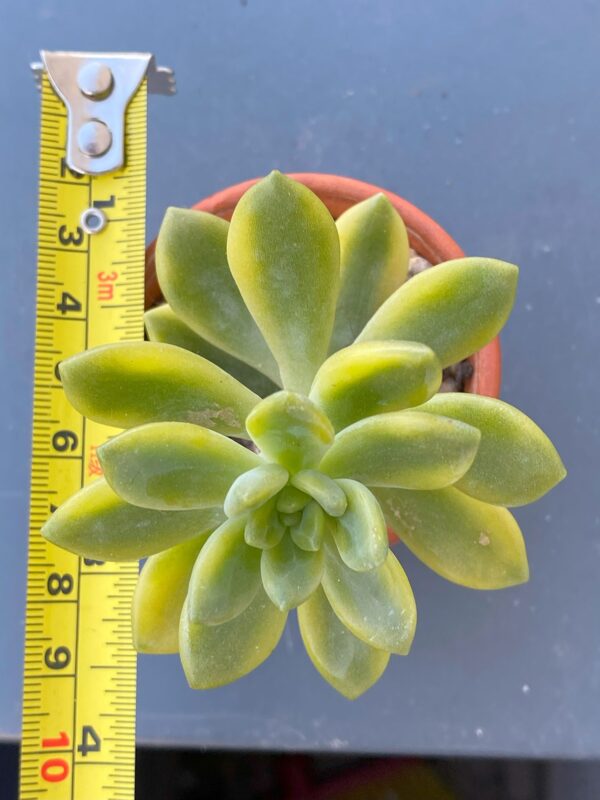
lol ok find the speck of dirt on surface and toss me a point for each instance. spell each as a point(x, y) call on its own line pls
point(484, 539)
point(338, 744)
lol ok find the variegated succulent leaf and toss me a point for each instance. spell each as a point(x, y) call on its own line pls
point(284, 254)
point(192, 269)
point(374, 255)
point(455, 309)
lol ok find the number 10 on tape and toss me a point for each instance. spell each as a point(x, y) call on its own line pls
point(80, 668)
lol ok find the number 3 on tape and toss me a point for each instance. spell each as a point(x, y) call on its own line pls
point(80, 667)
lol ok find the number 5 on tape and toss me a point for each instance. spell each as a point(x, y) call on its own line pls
point(80, 667)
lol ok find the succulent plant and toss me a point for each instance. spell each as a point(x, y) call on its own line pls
point(300, 336)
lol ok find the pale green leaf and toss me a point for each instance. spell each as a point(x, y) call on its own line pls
point(131, 383)
point(291, 500)
point(283, 252)
point(378, 606)
point(462, 539)
point(96, 523)
point(373, 378)
point(163, 325)
point(173, 465)
point(374, 255)
point(455, 308)
point(361, 533)
point(516, 462)
point(159, 597)
point(193, 273)
point(328, 494)
point(215, 655)
point(406, 448)
point(291, 430)
point(254, 488)
point(349, 664)
point(226, 576)
point(310, 532)
point(264, 529)
point(290, 520)
point(290, 574)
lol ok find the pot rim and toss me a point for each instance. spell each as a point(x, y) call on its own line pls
point(338, 193)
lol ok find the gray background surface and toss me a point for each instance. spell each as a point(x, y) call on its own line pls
point(486, 115)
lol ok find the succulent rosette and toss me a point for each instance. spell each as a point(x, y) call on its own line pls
point(302, 337)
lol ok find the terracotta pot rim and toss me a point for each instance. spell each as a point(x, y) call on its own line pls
point(338, 193)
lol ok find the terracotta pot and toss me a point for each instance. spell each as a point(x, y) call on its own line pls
point(338, 194)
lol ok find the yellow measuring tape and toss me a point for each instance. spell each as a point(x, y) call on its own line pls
point(80, 667)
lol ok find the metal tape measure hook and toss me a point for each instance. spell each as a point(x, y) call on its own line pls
point(96, 88)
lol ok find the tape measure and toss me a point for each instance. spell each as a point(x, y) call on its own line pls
point(79, 694)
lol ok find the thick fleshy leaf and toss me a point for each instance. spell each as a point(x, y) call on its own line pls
point(328, 494)
point(516, 462)
point(373, 378)
point(290, 520)
point(254, 488)
point(173, 465)
point(378, 606)
point(192, 269)
point(264, 529)
point(455, 308)
point(214, 655)
point(291, 500)
point(349, 664)
point(310, 532)
point(291, 430)
point(96, 523)
point(374, 256)
point(163, 325)
point(226, 576)
point(159, 597)
point(290, 574)
point(361, 533)
point(283, 252)
point(406, 448)
point(462, 539)
point(131, 383)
